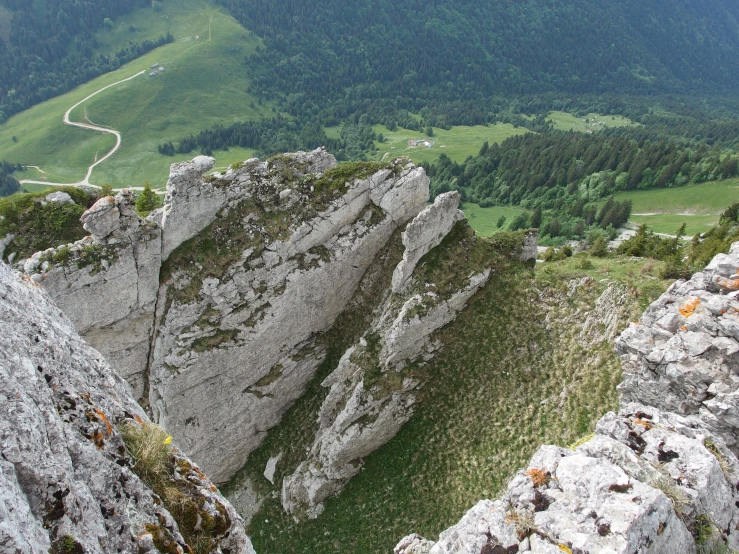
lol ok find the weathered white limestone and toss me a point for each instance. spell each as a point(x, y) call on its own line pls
point(683, 355)
point(190, 203)
point(107, 283)
point(657, 475)
point(371, 397)
point(65, 477)
point(228, 363)
point(423, 233)
point(61, 197)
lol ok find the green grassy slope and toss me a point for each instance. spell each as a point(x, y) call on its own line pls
point(202, 86)
point(591, 122)
point(499, 389)
point(485, 220)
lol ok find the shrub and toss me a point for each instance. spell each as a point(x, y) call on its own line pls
point(147, 201)
point(599, 247)
point(549, 254)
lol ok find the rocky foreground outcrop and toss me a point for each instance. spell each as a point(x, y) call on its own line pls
point(68, 479)
point(659, 476)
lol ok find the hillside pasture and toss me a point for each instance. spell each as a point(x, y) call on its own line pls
point(589, 123)
point(202, 85)
point(698, 206)
point(458, 143)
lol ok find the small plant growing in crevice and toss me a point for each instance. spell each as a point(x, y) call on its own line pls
point(722, 460)
point(674, 493)
point(149, 446)
point(523, 521)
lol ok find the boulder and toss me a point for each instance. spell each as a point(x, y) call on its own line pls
point(60, 197)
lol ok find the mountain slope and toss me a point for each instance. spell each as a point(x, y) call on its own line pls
point(464, 49)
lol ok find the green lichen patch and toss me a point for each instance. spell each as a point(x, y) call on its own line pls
point(91, 255)
point(274, 374)
point(66, 544)
point(219, 337)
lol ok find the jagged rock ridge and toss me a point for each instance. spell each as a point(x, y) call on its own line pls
point(212, 306)
point(659, 476)
point(371, 394)
point(66, 479)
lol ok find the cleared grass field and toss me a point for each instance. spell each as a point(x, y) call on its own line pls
point(203, 85)
point(670, 223)
point(698, 206)
point(485, 220)
point(592, 122)
point(457, 143)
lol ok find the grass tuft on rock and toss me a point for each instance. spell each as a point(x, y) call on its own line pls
point(156, 463)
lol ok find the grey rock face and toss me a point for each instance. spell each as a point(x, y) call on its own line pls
point(220, 355)
point(65, 477)
point(61, 197)
point(107, 284)
point(660, 475)
point(683, 355)
point(190, 203)
point(235, 352)
point(423, 233)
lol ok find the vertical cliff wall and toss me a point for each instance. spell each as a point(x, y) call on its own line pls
point(211, 307)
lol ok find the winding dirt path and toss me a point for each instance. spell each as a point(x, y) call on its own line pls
point(65, 119)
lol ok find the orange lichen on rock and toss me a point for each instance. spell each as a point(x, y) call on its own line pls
point(687, 309)
point(643, 422)
point(105, 420)
point(729, 284)
point(538, 477)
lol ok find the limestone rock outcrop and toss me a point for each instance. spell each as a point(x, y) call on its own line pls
point(107, 284)
point(659, 476)
point(684, 354)
point(423, 233)
point(236, 342)
point(373, 389)
point(212, 305)
point(66, 479)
